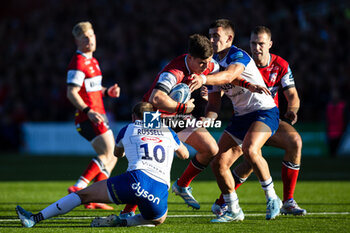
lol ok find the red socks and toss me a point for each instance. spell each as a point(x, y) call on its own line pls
point(95, 170)
point(129, 208)
point(91, 171)
point(192, 170)
point(290, 174)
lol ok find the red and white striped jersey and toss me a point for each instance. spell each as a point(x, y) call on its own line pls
point(277, 74)
point(85, 72)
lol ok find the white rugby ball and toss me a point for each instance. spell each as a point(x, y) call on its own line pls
point(180, 93)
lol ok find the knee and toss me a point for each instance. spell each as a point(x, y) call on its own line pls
point(159, 221)
point(210, 150)
point(250, 153)
point(295, 142)
point(213, 149)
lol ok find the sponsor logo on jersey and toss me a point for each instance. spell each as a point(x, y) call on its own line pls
point(93, 84)
point(151, 139)
point(140, 192)
point(226, 86)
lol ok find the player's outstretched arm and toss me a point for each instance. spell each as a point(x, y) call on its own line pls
point(182, 152)
point(239, 81)
point(220, 78)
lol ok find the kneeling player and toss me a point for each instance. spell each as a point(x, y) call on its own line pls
point(145, 183)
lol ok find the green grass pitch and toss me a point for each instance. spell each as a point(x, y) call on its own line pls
point(35, 182)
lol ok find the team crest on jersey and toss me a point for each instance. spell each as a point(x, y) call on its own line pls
point(273, 77)
point(151, 139)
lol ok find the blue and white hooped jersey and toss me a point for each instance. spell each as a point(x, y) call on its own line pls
point(149, 150)
point(243, 100)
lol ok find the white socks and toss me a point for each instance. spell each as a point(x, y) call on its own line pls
point(82, 183)
point(231, 200)
point(268, 187)
point(62, 206)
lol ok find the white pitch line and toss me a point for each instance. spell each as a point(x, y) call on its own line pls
point(182, 216)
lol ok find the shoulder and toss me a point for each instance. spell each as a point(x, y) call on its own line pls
point(237, 55)
point(121, 133)
point(176, 66)
point(77, 62)
point(279, 60)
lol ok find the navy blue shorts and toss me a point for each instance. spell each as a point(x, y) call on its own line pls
point(135, 187)
point(239, 125)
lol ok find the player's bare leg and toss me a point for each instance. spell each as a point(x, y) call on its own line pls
point(254, 140)
point(100, 167)
point(240, 174)
point(104, 147)
point(288, 138)
point(228, 153)
point(206, 147)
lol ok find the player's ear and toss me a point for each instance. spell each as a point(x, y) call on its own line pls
point(270, 44)
point(190, 57)
point(230, 38)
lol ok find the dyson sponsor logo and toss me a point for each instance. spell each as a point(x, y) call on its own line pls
point(140, 192)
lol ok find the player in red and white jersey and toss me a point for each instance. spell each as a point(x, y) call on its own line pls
point(197, 61)
point(85, 92)
point(277, 74)
point(175, 72)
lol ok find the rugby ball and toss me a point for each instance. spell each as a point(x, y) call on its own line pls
point(180, 93)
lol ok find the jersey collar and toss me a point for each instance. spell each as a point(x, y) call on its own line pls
point(81, 53)
point(188, 69)
point(268, 63)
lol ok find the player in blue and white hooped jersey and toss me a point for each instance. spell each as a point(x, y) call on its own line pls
point(150, 154)
point(255, 119)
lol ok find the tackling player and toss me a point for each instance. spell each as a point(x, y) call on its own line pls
point(146, 182)
point(277, 74)
point(85, 92)
point(254, 121)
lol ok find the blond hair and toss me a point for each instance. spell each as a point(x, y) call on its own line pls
point(80, 28)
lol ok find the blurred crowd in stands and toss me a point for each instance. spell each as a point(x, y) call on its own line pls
point(135, 39)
